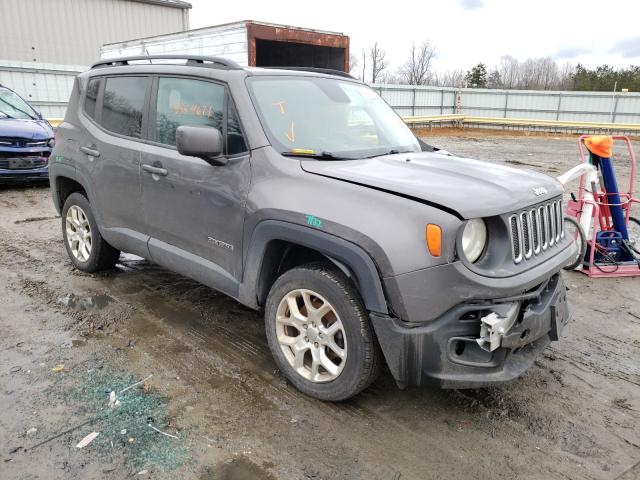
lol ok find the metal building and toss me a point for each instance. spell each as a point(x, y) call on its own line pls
point(71, 32)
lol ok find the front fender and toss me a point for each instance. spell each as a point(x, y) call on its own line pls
point(348, 254)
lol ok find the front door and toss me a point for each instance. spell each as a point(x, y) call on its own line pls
point(194, 211)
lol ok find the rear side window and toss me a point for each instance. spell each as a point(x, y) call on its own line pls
point(122, 105)
point(183, 101)
point(92, 97)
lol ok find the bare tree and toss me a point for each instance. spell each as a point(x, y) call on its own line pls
point(538, 74)
point(364, 64)
point(509, 71)
point(353, 63)
point(390, 79)
point(565, 76)
point(450, 78)
point(378, 61)
point(417, 68)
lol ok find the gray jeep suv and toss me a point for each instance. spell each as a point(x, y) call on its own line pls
point(301, 193)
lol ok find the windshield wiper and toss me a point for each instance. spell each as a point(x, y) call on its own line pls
point(392, 151)
point(6, 115)
point(318, 156)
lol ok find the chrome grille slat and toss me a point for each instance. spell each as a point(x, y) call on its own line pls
point(516, 250)
point(560, 220)
point(536, 230)
point(544, 227)
point(552, 225)
point(526, 235)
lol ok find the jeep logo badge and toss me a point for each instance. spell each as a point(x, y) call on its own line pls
point(539, 191)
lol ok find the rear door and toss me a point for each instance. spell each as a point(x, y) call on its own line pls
point(195, 210)
point(117, 109)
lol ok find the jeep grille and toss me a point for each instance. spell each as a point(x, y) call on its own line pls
point(536, 229)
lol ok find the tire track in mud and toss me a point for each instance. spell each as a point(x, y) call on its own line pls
point(240, 353)
point(225, 351)
point(232, 351)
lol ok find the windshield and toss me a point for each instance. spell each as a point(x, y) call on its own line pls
point(328, 118)
point(12, 106)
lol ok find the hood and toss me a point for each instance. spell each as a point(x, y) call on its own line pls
point(465, 187)
point(25, 128)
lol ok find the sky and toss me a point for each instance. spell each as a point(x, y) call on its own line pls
point(464, 32)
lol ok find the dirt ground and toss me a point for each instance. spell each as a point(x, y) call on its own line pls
point(68, 339)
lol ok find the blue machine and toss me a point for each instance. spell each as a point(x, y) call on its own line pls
point(612, 242)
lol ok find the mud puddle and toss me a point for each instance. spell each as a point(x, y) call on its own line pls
point(240, 468)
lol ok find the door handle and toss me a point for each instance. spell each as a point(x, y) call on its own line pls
point(155, 170)
point(90, 150)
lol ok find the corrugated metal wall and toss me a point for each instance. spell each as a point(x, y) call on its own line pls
point(602, 107)
point(229, 41)
point(52, 31)
point(46, 86)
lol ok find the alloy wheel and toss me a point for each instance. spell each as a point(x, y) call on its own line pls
point(79, 235)
point(311, 336)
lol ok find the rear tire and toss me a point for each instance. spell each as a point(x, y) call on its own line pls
point(319, 333)
point(88, 251)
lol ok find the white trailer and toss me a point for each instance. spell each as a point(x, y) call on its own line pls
point(248, 43)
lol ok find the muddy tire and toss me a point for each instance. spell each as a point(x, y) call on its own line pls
point(86, 248)
point(319, 333)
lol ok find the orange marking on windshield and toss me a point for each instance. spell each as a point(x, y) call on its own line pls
point(291, 135)
point(280, 106)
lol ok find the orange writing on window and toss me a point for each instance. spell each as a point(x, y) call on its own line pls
point(193, 109)
point(291, 134)
point(280, 106)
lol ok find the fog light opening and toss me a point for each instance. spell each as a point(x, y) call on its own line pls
point(459, 347)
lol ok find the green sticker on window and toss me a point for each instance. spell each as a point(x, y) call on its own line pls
point(313, 221)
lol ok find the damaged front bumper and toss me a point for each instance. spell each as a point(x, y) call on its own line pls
point(476, 343)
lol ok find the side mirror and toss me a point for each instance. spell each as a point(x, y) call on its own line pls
point(202, 142)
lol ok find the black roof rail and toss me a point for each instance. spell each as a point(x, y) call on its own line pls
point(191, 60)
point(328, 71)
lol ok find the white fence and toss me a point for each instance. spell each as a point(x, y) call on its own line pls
point(48, 86)
point(606, 107)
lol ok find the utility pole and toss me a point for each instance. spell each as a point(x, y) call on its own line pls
point(613, 100)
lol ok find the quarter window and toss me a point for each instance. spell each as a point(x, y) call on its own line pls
point(235, 140)
point(123, 104)
point(92, 97)
point(187, 102)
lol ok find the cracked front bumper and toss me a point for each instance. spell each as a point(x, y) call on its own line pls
point(445, 351)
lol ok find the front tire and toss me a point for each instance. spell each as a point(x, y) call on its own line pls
point(88, 251)
point(319, 333)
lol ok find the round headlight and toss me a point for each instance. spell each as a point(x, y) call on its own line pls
point(474, 239)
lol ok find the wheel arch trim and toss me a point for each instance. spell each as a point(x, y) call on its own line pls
point(342, 253)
